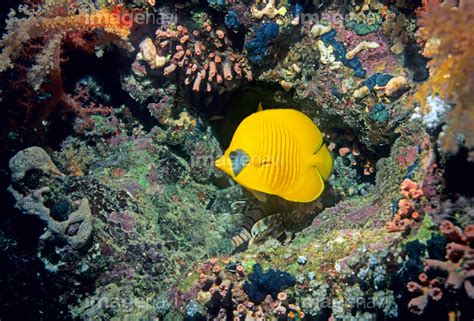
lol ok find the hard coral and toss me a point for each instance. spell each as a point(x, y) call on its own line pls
point(76, 227)
point(226, 295)
point(445, 31)
point(409, 214)
point(205, 55)
point(453, 276)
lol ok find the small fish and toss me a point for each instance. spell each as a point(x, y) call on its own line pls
point(278, 152)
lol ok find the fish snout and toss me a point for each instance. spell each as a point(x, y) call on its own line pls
point(224, 164)
point(219, 163)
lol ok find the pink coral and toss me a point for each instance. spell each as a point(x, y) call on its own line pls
point(409, 212)
point(459, 267)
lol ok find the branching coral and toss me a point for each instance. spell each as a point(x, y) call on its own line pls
point(51, 26)
point(453, 276)
point(445, 30)
point(409, 214)
point(38, 24)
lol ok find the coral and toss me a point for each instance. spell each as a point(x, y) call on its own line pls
point(396, 86)
point(443, 279)
point(258, 48)
point(32, 158)
point(409, 211)
point(269, 10)
point(223, 292)
point(340, 53)
point(231, 20)
point(271, 282)
point(19, 31)
point(451, 67)
point(364, 22)
point(204, 55)
point(48, 30)
point(379, 113)
point(75, 227)
point(315, 302)
point(364, 45)
point(148, 53)
point(377, 80)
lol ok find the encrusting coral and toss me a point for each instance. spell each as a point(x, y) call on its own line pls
point(227, 291)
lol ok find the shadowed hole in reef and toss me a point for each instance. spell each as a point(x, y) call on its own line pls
point(225, 112)
point(459, 171)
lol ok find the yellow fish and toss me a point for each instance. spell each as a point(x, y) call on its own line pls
point(279, 152)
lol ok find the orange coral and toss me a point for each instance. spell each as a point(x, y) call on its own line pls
point(446, 31)
point(407, 216)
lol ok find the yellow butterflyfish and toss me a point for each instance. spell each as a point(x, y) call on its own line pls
point(279, 152)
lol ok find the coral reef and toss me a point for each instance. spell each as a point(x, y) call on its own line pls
point(115, 112)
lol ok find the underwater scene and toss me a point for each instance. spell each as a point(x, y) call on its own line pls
point(237, 160)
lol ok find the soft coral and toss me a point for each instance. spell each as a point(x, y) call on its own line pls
point(446, 31)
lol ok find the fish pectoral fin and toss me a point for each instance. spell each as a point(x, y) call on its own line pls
point(262, 197)
point(260, 107)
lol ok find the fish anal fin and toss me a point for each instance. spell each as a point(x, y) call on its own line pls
point(262, 197)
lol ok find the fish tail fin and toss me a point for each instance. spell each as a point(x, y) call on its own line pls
point(323, 161)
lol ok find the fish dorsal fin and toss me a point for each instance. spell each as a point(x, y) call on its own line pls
point(260, 107)
point(262, 197)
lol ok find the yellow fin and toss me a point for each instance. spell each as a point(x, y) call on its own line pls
point(262, 197)
point(260, 107)
point(323, 161)
point(309, 187)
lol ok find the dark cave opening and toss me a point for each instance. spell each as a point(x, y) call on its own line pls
point(459, 174)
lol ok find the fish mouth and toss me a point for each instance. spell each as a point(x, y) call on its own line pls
point(220, 163)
